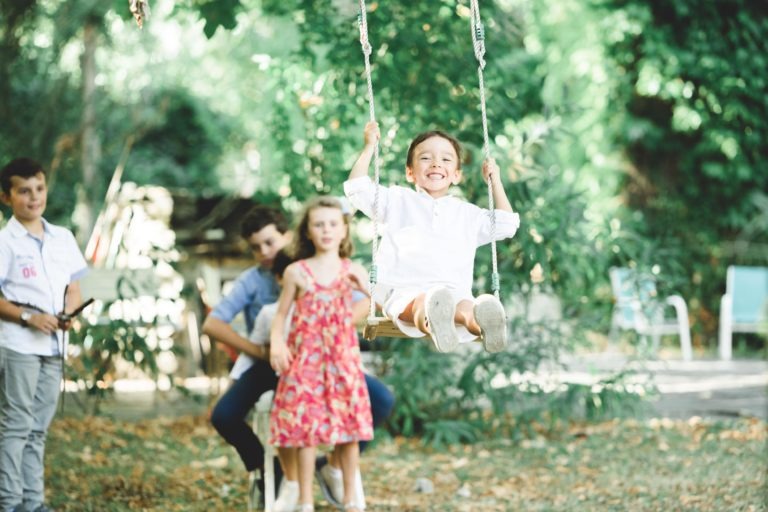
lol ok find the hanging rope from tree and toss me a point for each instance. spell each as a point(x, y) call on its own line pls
point(478, 43)
point(367, 49)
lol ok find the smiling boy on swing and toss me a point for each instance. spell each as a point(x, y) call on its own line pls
point(426, 257)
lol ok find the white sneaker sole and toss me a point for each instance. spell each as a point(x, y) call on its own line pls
point(490, 316)
point(440, 309)
point(327, 491)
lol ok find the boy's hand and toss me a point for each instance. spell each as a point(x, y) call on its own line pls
point(280, 357)
point(372, 134)
point(44, 322)
point(490, 169)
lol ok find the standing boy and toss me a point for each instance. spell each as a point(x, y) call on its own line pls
point(40, 265)
point(266, 231)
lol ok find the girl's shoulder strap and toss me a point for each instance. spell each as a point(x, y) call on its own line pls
point(306, 271)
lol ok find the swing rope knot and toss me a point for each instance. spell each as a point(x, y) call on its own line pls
point(478, 33)
point(364, 43)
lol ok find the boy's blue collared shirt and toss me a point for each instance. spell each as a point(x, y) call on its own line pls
point(251, 291)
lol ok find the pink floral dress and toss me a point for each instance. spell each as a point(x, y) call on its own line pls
point(322, 397)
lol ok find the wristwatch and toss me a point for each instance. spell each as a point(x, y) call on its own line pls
point(25, 317)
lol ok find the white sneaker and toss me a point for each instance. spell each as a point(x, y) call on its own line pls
point(331, 482)
point(440, 310)
point(492, 319)
point(288, 496)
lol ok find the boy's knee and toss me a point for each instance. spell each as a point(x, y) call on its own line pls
point(221, 419)
point(382, 399)
point(385, 404)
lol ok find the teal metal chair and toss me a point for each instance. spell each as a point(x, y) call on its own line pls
point(744, 307)
point(638, 308)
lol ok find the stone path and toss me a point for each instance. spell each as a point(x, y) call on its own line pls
point(706, 388)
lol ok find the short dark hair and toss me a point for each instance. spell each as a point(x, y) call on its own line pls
point(21, 167)
point(280, 262)
point(259, 218)
point(428, 135)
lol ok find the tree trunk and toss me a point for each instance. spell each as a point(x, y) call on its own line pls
point(90, 144)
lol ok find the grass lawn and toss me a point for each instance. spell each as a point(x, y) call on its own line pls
point(96, 464)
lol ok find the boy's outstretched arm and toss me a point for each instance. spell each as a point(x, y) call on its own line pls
point(363, 162)
point(500, 199)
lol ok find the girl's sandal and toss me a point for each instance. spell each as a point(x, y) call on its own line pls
point(351, 507)
point(305, 507)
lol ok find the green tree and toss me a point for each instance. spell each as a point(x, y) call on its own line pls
point(690, 114)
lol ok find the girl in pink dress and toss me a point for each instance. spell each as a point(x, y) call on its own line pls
point(321, 398)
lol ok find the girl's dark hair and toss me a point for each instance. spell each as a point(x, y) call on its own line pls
point(427, 135)
point(23, 168)
point(303, 246)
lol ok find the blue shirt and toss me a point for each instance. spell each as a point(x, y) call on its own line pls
point(252, 290)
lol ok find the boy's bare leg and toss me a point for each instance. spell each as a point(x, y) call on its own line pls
point(465, 316)
point(415, 313)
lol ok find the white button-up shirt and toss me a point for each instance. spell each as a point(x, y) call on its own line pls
point(425, 241)
point(37, 272)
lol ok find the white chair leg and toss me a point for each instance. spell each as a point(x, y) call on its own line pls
point(684, 326)
point(252, 476)
point(725, 338)
point(655, 344)
point(261, 427)
point(269, 477)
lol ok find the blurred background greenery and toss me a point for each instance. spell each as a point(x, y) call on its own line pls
point(630, 132)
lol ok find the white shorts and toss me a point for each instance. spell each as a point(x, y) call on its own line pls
point(393, 300)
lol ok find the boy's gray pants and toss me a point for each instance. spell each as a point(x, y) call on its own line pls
point(29, 392)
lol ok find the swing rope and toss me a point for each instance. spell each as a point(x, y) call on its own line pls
point(366, 47)
point(478, 43)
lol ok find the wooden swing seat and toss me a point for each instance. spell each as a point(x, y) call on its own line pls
point(379, 326)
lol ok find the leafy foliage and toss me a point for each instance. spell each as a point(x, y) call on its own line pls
point(101, 347)
point(183, 146)
point(690, 78)
point(474, 395)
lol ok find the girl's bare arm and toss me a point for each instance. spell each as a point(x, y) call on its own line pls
point(279, 356)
